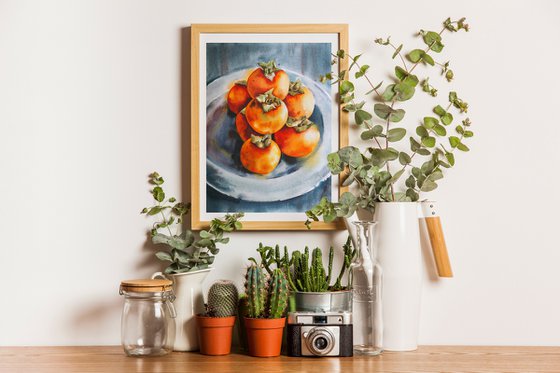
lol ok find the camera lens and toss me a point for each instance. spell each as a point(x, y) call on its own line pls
point(321, 343)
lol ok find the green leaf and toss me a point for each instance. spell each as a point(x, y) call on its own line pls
point(454, 141)
point(430, 122)
point(440, 130)
point(374, 132)
point(158, 194)
point(396, 115)
point(436, 175)
point(423, 151)
point(155, 210)
point(165, 256)
point(422, 131)
point(410, 181)
point(414, 145)
point(462, 147)
point(397, 51)
point(439, 110)
point(416, 172)
point(205, 234)
point(412, 194)
point(400, 72)
point(345, 87)
point(404, 91)
point(396, 176)
point(428, 186)
point(363, 70)
point(395, 134)
point(433, 40)
point(347, 199)
point(404, 158)
point(334, 164)
point(428, 59)
point(389, 93)
point(468, 134)
point(429, 141)
point(415, 55)
point(361, 116)
point(450, 158)
point(382, 110)
point(447, 118)
point(411, 80)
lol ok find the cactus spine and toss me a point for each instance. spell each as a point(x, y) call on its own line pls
point(222, 299)
point(255, 288)
point(278, 295)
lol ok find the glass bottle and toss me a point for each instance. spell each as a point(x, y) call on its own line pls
point(148, 317)
point(367, 281)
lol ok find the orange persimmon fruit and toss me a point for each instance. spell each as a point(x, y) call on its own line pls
point(238, 96)
point(243, 128)
point(260, 155)
point(268, 77)
point(299, 140)
point(299, 101)
point(266, 114)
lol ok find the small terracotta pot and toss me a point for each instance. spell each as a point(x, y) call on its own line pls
point(214, 334)
point(264, 336)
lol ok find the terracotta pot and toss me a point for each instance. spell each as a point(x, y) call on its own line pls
point(214, 334)
point(264, 336)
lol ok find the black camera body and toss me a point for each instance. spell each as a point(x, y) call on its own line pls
point(320, 334)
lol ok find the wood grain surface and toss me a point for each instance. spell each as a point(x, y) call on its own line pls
point(426, 359)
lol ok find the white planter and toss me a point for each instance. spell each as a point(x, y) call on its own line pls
point(188, 303)
point(399, 254)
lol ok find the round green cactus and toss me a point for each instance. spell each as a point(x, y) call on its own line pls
point(223, 298)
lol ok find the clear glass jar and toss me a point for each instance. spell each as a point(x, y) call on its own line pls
point(148, 317)
point(367, 283)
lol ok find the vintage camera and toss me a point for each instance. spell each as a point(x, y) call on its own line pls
point(320, 334)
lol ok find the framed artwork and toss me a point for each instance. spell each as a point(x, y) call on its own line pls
point(263, 123)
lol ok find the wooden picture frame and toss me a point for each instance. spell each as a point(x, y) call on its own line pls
point(221, 54)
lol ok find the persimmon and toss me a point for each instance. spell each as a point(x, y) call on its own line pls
point(268, 76)
point(243, 128)
point(299, 101)
point(238, 96)
point(266, 113)
point(260, 155)
point(298, 138)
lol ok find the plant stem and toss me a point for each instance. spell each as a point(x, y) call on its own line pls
point(426, 51)
point(401, 57)
point(165, 221)
point(371, 84)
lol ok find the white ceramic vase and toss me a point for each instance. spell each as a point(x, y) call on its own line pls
point(399, 254)
point(189, 302)
point(397, 240)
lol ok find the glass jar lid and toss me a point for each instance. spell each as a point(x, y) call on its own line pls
point(147, 285)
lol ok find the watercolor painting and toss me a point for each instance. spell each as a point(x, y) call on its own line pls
point(266, 124)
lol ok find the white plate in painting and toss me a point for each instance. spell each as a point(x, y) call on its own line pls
point(293, 176)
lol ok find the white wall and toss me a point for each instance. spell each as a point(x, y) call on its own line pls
point(90, 103)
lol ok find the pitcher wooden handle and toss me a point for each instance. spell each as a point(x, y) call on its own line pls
point(435, 231)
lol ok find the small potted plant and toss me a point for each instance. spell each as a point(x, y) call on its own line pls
point(215, 326)
point(189, 256)
point(266, 302)
point(311, 284)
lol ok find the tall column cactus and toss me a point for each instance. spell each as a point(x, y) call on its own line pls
point(255, 289)
point(278, 295)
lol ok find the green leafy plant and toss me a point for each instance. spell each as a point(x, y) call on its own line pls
point(186, 252)
point(223, 299)
point(374, 173)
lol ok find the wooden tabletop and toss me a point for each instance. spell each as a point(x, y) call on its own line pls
point(426, 359)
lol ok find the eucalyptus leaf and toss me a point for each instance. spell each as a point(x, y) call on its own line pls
point(395, 134)
point(429, 141)
point(428, 186)
point(422, 131)
point(415, 55)
point(389, 93)
point(404, 91)
point(162, 255)
point(454, 141)
point(382, 111)
point(410, 181)
point(447, 118)
point(450, 158)
point(412, 194)
point(439, 130)
point(404, 158)
point(361, 116)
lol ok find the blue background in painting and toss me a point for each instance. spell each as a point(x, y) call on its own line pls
point(309, 59)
